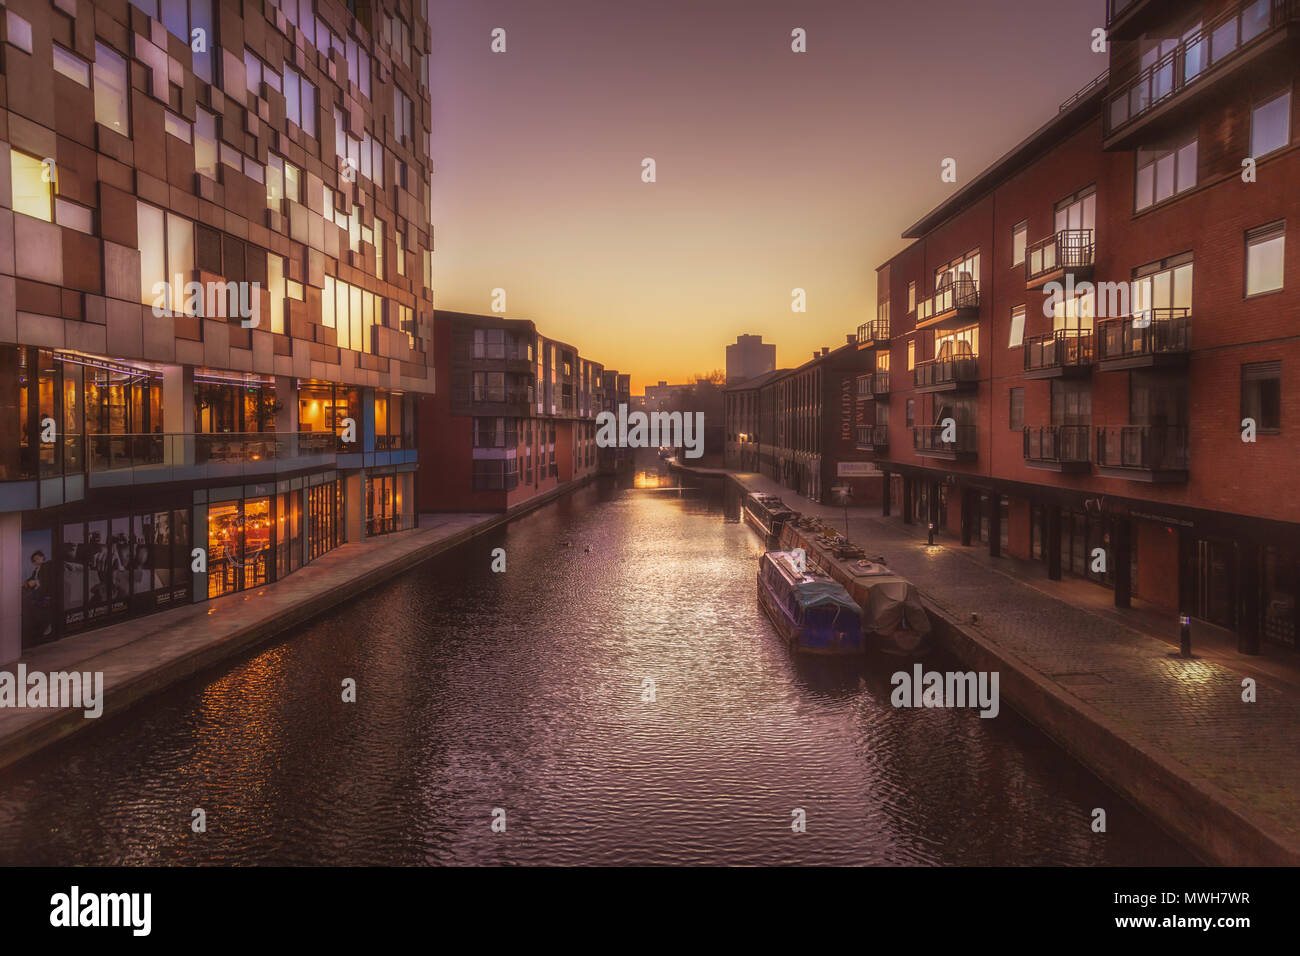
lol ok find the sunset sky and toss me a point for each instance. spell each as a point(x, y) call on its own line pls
point(775, 169)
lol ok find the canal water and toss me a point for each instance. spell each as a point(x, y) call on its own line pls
point(526, 692)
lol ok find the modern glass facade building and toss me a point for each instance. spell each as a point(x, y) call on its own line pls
point(215, 313)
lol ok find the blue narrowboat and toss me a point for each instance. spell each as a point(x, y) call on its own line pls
point(812, 612)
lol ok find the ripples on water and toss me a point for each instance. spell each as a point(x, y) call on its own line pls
point(523, 691)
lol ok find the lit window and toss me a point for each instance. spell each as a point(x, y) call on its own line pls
point(911, 297)
point(911, 355)
point(1265, 257)
point(205, 143)
point(32, 185)
point(110, 90)
point(1270, 125)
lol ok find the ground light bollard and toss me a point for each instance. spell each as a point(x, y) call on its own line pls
point(930, 541)
point(1185, 635)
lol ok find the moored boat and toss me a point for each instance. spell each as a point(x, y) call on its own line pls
point(767, 514)
point(812, 612)
point(893, 617)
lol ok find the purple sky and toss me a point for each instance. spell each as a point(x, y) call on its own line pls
point(775, 170)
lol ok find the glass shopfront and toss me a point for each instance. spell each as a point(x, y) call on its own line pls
point(323, 408)
point(92, 571)
point(239, 545)
point(41, 414)
point(237, 405)
point(324, 506)
point(383, 507)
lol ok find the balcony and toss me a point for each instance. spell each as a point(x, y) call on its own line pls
point(880, 383)
point(873, 333)
point(956, 304)
point(928, 442)
point(946, 375)
point(1155, 338)
point(873, 437)
point(1154, 453)
point(1049, 259)
point(1063, 448)
point(1065, 353)
point(1238, 36)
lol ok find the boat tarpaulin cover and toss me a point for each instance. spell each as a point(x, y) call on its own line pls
point(896, 605)
point(819, 593)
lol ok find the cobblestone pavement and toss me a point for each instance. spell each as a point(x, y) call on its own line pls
point(1188, 711)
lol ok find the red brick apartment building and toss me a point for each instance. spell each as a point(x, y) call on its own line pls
point(281, 143)
point(804, 427)
point(516, 418)
point(1104, 427)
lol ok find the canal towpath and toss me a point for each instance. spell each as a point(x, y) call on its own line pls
point(1173, 735)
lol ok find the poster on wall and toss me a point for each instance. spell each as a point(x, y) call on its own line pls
point(38, 601)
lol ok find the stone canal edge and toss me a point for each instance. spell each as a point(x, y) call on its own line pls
point(145, 656)
point(1211, 822)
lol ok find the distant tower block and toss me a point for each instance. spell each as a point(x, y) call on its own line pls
point(749, 358)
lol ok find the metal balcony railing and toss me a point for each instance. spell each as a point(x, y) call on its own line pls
point(1147, 333)
point(930, 438)
point(964, 293)
point(252, 450)
point(1064, 348)
point(945, 372)
point(1217, 41)
point(1058, 443)
point(873, 436)
point(1143, 447)
point(880, 383)
point(877, 330)
point(1069, 249)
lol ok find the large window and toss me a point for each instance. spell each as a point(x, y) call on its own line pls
point(1078, 211)
point(403, 115)
point(489, 343)
point(353, 313)
point(110, 90)
point(300, 101)
point(1019, 240)
point(166, 244)
point(1265, 258)
point(965, 268)
point(1163, 285)
point(1261, 395)
point(1163, 173)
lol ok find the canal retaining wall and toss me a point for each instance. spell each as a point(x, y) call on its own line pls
point(145, 656)
point(1215, 825)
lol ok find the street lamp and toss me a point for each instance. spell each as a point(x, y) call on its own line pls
point(844, 495)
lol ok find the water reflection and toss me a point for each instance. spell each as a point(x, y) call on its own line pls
point(526, 691)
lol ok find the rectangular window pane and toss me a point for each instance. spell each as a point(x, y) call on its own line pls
point(153, 255)
point(180, 257)
point(1270, 126)
point(32, 194)
point(71, 66)
point(110, 90)
point(1264, 265)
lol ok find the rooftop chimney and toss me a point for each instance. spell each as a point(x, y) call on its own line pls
point(851, 339)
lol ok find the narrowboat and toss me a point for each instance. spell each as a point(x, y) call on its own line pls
point(811, 612)
point(767, 514)
point(893, 618)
